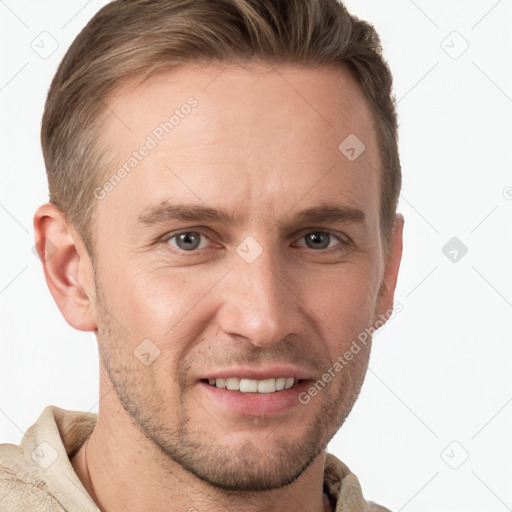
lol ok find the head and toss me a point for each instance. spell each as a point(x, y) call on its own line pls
point(223, 178)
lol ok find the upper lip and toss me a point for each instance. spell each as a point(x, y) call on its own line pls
point(268, 372)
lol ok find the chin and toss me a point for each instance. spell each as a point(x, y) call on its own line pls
point(248, 470)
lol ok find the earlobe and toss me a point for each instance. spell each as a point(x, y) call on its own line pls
point(392, 265)
point(67, 267)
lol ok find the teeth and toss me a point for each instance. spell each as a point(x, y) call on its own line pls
point(233, 384)
point(267, 386)
point(289, 383)
point(253, 386)
point(248, 386)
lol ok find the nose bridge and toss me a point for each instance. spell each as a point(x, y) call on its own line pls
point(257, 304)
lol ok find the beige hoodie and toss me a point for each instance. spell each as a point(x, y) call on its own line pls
point(37, 475)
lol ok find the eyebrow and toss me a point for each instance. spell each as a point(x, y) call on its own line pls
point(327, 212)
point(165, 212)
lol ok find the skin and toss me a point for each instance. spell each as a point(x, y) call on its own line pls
point(262, 143)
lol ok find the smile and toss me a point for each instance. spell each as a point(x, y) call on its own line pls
point(271, 385)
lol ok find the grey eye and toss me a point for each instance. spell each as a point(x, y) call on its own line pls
point(318, 240)
point(187, 241)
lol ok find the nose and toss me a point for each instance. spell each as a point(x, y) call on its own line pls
point(258, 302)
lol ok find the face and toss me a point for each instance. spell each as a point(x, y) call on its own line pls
point(238, 254)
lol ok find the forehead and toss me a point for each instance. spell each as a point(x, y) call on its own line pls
point(241, 135)
point(325, 98)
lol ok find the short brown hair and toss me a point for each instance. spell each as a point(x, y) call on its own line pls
point(139, 38)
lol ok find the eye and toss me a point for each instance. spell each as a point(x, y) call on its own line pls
point(321, 240)
point(188, 241)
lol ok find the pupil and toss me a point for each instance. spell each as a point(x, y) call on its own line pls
point(318, 240)
point(188, 241)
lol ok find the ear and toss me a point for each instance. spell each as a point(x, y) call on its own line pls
point(387, 290)
point(67, 267)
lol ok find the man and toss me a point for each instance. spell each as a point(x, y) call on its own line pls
point(223, 185)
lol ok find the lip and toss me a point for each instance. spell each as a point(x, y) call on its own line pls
point(255, 404)
point(269, 372)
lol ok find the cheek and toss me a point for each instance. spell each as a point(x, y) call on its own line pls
point(344, 305)
point(164, 305)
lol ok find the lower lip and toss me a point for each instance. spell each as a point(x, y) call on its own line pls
point(256, 404)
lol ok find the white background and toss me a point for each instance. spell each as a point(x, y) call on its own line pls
point(439, 385)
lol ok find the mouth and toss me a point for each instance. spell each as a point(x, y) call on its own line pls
point(263, 386)
point(250, 392)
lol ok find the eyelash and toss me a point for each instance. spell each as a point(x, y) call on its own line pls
point(341, 243)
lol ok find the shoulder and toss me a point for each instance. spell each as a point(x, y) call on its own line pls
point(344, 488)
point(37, 474)
point(20, 487)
